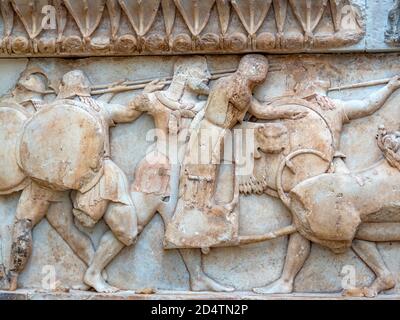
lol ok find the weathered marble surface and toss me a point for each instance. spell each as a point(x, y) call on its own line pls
point(118, 28)
point(24, 294)
point(147, 265)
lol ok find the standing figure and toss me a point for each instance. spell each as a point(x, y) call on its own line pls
point(106, 195)
point(29, 93)
point(175, 111)
point(230, 99)
point(337, 113)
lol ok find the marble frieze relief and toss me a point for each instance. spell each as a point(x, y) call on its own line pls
point(134, 27)
point(227, 155)
point(216, 148)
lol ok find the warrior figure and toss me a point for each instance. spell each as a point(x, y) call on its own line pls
point(106, 196)
point(336, 113)
point(29, 93)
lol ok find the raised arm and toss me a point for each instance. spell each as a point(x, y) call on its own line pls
point(355, 109)
point(139, 104)
point(269, 112)
point(127, 113)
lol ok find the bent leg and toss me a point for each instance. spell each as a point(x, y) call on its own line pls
point(199, 281)
point(122, 221)
point(108, 248)
point(297, 253)
point(146, 207)
point(369, 253)
point(61, 219)
point(30, 210)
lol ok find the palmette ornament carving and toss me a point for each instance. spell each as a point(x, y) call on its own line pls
point(132, 27)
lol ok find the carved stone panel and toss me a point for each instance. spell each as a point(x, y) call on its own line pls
point(130, 27)
point(158, 149)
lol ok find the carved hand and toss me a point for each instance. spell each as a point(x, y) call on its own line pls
point(155, 85)
point(294, 114)
point(394, 83)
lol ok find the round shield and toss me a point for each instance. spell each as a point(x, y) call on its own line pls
point(12, 119)
point(274, 140)
point(62, 146)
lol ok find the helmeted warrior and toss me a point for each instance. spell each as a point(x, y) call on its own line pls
point(101, 188)
point(337, 113)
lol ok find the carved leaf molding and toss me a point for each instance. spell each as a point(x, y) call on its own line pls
point(30, 13)
point(114, 11)
point(61, 17)
point(196, 13)
point(168, 9)
point(309, 13)
point(252, 13)
point(224, 14)
point(8, 16)
point(141, 14)
point(280, 10)
point(87, 14)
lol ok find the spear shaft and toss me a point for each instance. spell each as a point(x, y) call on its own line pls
point(361, 84)
point(140, 84)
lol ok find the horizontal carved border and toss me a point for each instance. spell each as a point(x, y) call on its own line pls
point(134, 27)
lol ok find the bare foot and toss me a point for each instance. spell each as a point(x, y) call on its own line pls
point(204, 283)
point(13, 280)
point(354, 292)
point(380, 284)
point(95, 280)
point(81, 287)
point(278, 286)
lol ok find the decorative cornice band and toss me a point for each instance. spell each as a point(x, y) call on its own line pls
point(74, 28)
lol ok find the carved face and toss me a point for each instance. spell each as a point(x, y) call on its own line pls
point(198, 80)
point(193, 73)
point(309, 87)
point(254, 67)
point(74, 83)
point(33, 82)
point(272, 138)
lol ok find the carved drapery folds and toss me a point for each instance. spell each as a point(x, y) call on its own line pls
point(131, 27)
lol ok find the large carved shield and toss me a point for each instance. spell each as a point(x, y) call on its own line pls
point(12, 119)
point(62, 146)
point(275, 140)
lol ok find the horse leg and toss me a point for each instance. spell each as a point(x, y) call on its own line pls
point(297, 253)
point(369, 253)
